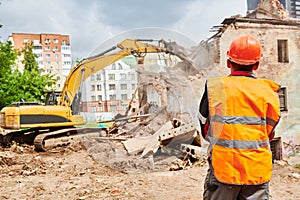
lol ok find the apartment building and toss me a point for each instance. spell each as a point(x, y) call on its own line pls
point(110, 89)
point(294, 8)
point(53, 53)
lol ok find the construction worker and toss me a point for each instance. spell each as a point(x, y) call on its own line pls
point(241, 113)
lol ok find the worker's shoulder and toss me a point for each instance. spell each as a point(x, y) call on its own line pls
point(274, 85)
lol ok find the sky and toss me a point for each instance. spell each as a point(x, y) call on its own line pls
point(93, 25)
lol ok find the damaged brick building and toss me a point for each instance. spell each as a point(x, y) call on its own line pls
point(279, 35)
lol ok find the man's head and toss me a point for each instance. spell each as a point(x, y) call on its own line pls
point(244, 54)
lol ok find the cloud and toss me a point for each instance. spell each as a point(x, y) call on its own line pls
point(201, 16)
point(79, 19)
point(92, 22)
point(131, 14)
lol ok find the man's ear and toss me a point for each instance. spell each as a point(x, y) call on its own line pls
point(255, 67)
point(229, 64)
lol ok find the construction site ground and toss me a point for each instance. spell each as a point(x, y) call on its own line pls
point(101, 169)
point(71, 172)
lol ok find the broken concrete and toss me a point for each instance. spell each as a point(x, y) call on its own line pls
point(269, 9)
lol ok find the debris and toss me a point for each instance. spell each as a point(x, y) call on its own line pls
point(194, 151)
point(6, 160)
point(153, 145)
point(296, 175)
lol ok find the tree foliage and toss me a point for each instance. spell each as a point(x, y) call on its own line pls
point(29, 61)
point(7, 58)
point(29, 85)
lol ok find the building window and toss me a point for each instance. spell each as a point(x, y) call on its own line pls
point(133, 77)
point(93, 98)
point(98, 77)
point(120, 66)
point(283, 54)
point(48, 63)
point(65, 48)
point(111, 86)
point(124, 96)
point(123, 76)
point(48, 55)
point(112, 97)
point(49, 71)
point(99, 97)
point(36, 43)
point(123, 86)
point(57, 71)
point(26, 40)
point(93, 108)
point(66, 55)
point(111, 77)
point(283, 99)
point(100, 108)
point(64, 42)
point(133, 86)
point(124, 106)
point(58, 78)
point(37, 47)
point(113, 107)
point(98, 87)
point(55, 40)
point(92, 87)
point(67, 63)
point(38, 55)
point(92, 77)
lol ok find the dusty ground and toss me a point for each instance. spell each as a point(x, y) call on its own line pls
point(73, 173)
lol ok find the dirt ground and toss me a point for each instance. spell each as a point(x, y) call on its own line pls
point(73, 172)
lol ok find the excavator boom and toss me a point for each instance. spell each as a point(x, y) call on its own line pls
point(57, 120)
point(93, 64)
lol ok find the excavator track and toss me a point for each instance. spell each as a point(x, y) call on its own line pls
point(63, 137)
point(45, 139)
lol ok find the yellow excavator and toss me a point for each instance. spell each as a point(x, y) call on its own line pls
point(34, 124)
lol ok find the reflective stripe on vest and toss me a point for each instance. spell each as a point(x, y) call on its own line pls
point(238, 120)
point(239, 144)
point(243, 111)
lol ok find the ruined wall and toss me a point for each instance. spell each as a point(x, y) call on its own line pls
point(287, 74)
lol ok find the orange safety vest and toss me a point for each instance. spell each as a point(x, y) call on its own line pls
point(243, 111)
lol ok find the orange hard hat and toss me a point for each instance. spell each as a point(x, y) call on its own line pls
point(245, 50)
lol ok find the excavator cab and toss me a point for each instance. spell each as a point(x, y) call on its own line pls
point(51, 98)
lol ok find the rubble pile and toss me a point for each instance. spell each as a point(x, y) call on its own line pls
point(160, 128)
point(272, 9)
point(163, 131)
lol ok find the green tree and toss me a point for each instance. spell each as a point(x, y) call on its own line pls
point(29, 58)
point(7, 60)
point(30, 85)
point(33, 85)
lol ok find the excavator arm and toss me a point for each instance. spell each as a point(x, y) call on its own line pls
point(60, 113)
point(37, 124)
point(93, 64)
